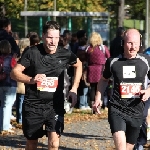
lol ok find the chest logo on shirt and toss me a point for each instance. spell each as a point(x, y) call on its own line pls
point(129, 72)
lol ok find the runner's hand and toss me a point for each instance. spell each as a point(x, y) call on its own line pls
point(96, 105)
point(144, 95)
point(73, 95)
point(38, 78)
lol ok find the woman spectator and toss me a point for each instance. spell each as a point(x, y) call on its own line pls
point(96, 53)
point(23, 43)
point(34, 38)
point(7, 85)
point(83, 86)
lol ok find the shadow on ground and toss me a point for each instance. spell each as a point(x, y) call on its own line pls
point(97, 137)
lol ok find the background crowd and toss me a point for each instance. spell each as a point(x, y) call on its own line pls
point(92, 51)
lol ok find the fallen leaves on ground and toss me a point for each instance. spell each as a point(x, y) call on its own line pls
point(147, 146)
point(79, 115)
point(76, 115)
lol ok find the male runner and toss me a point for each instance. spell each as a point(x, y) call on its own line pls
point(128, 70)
point(41, 68)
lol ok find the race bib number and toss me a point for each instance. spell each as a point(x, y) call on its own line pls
point(49, 84)
point(130, 90)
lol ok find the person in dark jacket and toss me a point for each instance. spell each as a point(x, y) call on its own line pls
point(115, 45)
point(5, 34)
point(7, 86)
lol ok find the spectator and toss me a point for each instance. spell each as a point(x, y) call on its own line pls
point(115, 44)
point(16, 37)
point(67, 35)
point(5, 29)
point(73, 40)
point(97, 53)
point(34, 38)
point(23, 44)
point(7, 86)
point(80, 34)
point(83, 89)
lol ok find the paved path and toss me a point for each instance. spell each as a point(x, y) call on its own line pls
point(83, 135)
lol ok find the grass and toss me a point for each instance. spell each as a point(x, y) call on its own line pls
point(138, 24)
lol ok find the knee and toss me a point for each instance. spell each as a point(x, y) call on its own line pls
point(31, 143)
point(54, 144)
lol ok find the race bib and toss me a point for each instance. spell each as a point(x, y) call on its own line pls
point(130, 90)
point(49, 84)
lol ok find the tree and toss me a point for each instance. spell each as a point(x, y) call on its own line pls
point(15, 6)
point(2, 9)
point(137, 9)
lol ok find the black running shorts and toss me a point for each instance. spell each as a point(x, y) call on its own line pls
point(131, 126)
point(33, 120)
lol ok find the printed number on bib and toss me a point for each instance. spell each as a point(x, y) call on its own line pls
point(130, 90)
point(49, 84)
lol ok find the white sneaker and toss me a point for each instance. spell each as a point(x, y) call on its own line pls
point(148, 133)
point(11, 127)
point(9, 131)
point(88, 108)
point(82, 108)
point(13, 117)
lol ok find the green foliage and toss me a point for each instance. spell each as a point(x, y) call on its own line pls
point(13, 7)
point(137, 9)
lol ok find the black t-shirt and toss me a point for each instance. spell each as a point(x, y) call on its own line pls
point(37, 61)
point(128, 79)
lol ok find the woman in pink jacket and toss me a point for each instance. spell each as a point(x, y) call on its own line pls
point(96, 54)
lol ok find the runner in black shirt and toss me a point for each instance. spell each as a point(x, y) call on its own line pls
point(41, 69)
point(126, 105)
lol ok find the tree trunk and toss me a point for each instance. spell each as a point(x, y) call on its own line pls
point(121, 13)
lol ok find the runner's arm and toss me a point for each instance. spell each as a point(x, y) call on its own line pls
point(17, 74)
point(103, 82)
point(101, 87)
point(77, 73)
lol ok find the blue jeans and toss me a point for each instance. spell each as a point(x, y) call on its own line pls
point(19, 102)
point(84, 98)
point(7, 98)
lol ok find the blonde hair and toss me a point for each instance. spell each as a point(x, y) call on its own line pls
point(23, 43)
point(95, 39)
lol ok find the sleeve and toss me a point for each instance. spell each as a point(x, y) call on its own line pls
point(72, 59)
point(26, 58)
point(13, 62)
point(107, 53)
point(107, 73)
point(148, 59)
point(111, 48)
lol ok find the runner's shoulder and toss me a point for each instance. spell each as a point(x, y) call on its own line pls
point(146, 57)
